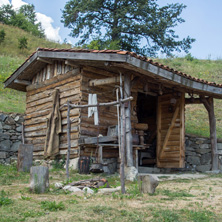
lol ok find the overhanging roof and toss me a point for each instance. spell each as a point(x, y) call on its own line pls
point(125, 59)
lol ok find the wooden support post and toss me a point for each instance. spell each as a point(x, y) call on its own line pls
point(127, 93)
point(100, 154)
point(68, 141)
point(25, 157)
point(209, 105)
point(39, 179)
point(122, 174)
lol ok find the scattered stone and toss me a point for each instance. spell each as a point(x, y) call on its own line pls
point(6, 127)
point(204, 146)
point(203, 151)
point(19, 129)
point(75, 190)
point(131, 173)
point(108, 190)
point(58, 185)
point(219, 146)
point(147, 183)
point(73, 163)
point(88, 190)
point(66, 187)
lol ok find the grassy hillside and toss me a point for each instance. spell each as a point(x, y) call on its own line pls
point(13, 101)
point(11, 57)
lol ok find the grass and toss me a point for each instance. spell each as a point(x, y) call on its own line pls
point(21, 205)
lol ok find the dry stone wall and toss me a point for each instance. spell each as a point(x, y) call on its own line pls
point(198, 153)
point(10, 136)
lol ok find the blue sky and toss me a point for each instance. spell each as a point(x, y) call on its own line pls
point(203, 21)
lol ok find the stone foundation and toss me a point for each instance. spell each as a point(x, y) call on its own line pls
point(10, 136)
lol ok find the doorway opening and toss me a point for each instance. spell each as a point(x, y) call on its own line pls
point(147, 113)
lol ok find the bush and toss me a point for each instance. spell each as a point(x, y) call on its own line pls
point(2, 36)
point(23, 43)
point(52, 205)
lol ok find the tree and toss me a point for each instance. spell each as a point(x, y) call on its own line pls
point(29, 12)
point(23, 43)
point(2, 35)
point(130, 23)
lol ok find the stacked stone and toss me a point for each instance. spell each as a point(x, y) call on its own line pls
point(10, 136)
point(198, 154)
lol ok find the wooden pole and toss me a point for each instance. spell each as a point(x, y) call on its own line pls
point(23, 134)
point(129, 149)
point(68, 140)
point(119, 128)
point(209, 105)
point(122, 175)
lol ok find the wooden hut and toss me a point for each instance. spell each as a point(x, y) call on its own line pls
point(155, 117)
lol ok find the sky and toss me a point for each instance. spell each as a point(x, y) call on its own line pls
point(202, 22)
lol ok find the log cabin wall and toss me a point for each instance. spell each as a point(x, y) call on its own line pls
point(107, 115)
point(39, 104)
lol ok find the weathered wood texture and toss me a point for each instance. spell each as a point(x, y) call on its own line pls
point(39, 179)
point(25, 157)
point(39, 103)
point(170, 132)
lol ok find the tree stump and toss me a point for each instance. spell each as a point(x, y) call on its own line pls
point(147, 183)
point(25, 157)
point(39, 179)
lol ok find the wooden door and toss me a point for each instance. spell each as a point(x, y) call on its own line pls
point(171, 131)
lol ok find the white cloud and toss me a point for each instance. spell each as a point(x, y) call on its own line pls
point(4, 2)
point(16, 4)
point(50, 32)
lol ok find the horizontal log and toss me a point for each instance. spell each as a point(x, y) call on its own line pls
point(99, 82)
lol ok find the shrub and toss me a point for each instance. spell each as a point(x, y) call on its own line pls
point(52, 205)
point(4, 200)
point(23, 43)
point(2, 35)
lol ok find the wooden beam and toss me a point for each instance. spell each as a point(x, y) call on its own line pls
point(193, 101)
point(209, 105)
point(70, 63)
point(44, 60)
point(22, 82)
point(99, 82)
point(127, 93)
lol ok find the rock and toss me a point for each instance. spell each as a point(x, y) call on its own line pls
point(10, 121)
point(25, 157)
point(1, 128)
point(15, 146)
point(189, 148)
point(131, 173)
point(4, 136)
point(5, 145)
point(189, 153)
point(66, 187)
point(194, 160)
point(6, 127)
point(205, 159)
point(204, 146)
point(203, 151)
point(2, 117)
point(19, 119)
point(219, 146)
point(73, 163)
point(3, 155)
point(88, 190)
point(74, 189)
point(203, 168)
point(147, 183)
point(108, 190)
point(19, 129)
point(200, 141)
point(58, 185)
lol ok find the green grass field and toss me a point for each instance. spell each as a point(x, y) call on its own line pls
point(179, 200)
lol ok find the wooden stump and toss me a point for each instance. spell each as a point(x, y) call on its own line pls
point(39, 179)
point(147, 183)
point(25, 157)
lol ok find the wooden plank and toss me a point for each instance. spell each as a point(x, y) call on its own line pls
point(93, 140)
point(99, 82)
